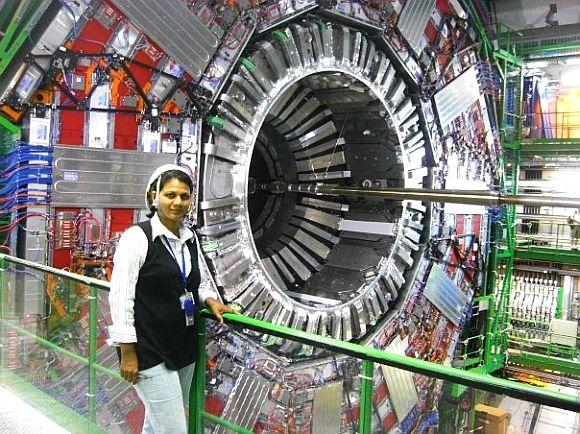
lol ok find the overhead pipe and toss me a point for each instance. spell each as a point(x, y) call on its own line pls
point(470, 197)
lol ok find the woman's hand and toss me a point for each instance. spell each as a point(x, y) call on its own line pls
point(129, 366)
point(218, 308)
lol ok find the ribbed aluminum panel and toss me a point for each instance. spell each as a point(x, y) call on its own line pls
point(175, 28)
point(457, 96)
point(326, 409)
point(445, 295)
point(245, 401)
point(102, 178)
point(402, 390)
point(413, 21)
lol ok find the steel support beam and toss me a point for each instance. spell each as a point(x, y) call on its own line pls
point(541, 361)
point(537, 253)
point(471, 197)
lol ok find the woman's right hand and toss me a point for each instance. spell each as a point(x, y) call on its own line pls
point(129, 366)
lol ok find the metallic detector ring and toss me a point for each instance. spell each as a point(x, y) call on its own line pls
point(288, 105)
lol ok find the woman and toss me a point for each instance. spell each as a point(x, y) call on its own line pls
point(157, 278)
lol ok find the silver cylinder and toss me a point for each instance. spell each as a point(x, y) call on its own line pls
point(470, 197)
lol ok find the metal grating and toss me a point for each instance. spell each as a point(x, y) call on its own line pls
point(413, 21)
point(101, 178)
point(457, 96)
point(402, 390)
point(245, 401)
point(176, 29)
point(445, 295)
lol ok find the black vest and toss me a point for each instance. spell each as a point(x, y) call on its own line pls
point(162, 335)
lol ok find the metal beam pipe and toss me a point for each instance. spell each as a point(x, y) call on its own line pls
point(470, 197)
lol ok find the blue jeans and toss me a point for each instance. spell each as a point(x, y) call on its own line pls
point(165, 394)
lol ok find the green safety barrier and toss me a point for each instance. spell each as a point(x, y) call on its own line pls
point(369, 357)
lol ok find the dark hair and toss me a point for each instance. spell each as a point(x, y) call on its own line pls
point(165, 177)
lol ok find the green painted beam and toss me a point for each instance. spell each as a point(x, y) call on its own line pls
point(507, 56)
point(9, 126)
point(557, 142)
point(456, 390)
point(534, 253)
point(550, 363)
point(556, 48)
point(559, 303)
point(551, 147)
point(18, 30)
point(6, 14)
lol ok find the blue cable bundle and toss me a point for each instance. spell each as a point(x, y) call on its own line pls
point(496, 214)
point(21, 167)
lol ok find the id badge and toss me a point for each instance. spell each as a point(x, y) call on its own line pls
point(188, 306)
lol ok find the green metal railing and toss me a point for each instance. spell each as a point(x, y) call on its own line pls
point(502, 235)
point(552, 243)
point(368, 356)
point(6, 324)
point(550, 234)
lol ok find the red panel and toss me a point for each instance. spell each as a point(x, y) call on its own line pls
point(476, 224)
point(134, 418)
point(350, 416)
point(149, 56)
point(142, 74)
point(389, 421)
point(431, 31)
point(214, 406)
point(460, 224)
point(72, 125)
point(92, 38)
point(453, 259)
point(380, 393)
point(62, 256)
point(125, 131)
point(444, 8)
point(121, 219)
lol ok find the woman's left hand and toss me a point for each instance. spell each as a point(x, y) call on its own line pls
point(218, 308)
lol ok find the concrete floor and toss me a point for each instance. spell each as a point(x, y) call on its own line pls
point(549, 420)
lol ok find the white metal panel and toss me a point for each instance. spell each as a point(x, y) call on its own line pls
point(457, 96)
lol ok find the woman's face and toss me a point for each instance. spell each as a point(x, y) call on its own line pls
point(174, 200)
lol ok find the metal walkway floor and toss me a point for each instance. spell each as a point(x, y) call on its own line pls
point(16, 416)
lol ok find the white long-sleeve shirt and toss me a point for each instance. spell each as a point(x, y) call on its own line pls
point(129, 257)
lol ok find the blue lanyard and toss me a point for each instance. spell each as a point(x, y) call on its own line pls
point(183, 276)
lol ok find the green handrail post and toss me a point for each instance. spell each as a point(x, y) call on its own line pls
point(491, 278)
point(559, 303)
point(366, 397)
point(92, 395)
point(197, 389)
